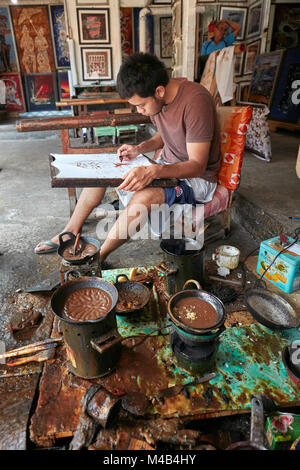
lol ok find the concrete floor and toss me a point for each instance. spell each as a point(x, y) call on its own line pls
point(32, 211)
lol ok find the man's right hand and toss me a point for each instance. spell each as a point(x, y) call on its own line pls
point(128, 152)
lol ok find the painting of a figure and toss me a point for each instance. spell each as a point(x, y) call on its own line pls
point(32, 32)
point(60, 36)
point(14, 98)
point(8, 60)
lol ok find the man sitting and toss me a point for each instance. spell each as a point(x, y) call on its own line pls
point(188, 132)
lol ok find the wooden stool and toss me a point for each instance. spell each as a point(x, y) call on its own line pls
point(105, 131)
point(126, 132)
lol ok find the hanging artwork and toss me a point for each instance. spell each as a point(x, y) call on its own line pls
point(96, 63)
point(238, 15)
point(63, 85)
point(8, 57)
point(126, 31)
point(238, 63)
point(243, 91)
point(252, 51)
point(286, 26)
point(254, 20)
point(13, 92)
point(285, 105)
point(264, 77)
point(93, 26)
point(32, 32)
point(41, 92)
point(166, 43)
point(62, 55)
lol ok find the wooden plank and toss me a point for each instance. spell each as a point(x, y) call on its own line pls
point(99, 182)
point(274, 125)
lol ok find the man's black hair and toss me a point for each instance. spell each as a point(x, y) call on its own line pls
point(140, 74)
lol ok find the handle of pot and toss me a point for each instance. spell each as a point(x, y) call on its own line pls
point(75, 272)
point(61, 235)
point(117, 339)
point(197, 284)
point(121, 275)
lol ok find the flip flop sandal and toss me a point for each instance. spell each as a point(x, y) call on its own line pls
point(51, 250)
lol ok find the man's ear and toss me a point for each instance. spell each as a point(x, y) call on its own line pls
point(160, 92)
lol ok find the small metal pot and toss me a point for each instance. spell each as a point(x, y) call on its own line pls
point(188, 333)
point(70, 242)
point(83, 339)
point(187, 264)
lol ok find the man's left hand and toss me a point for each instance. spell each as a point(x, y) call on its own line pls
point(138, 178)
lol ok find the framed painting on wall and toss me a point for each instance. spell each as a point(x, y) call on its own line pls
point(243, 91)
point(63, 85)
point(93, 26)
point(254, 20)
point(238, 15)
point(14, 96)
point(8, 56)
point(264, 77)
point(286, 30)
point(166, 43)
point(285, 104)
point(96, 63)
point(238, 64)
point(33, 38)
point(41, 92)
point(126, 20)
point(61, 47)
point(252, 50)
point(90, 2)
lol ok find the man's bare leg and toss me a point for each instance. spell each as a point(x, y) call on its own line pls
point(118, 234)
point(88, 200)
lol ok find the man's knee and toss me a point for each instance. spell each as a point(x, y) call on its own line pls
point(148, 196)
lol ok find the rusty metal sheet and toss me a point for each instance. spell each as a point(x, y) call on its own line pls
point(248, 362)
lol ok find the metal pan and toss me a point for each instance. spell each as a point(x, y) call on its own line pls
point(289, 367)
point(271, 310)
point(70, 242)
point(135, 292)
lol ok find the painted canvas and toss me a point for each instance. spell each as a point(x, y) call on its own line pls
point(33, 38)
point(286, 26)
point(13, 92)
point(40, 92)
point(285, 105)
point(254, 20)
point(62, 54)
point(8, 56)
point(63, 85)
point(126, 31)
point(264, 77)
point(166, 43)
point(238, 15)
point(252, 51)
point(96, 63)
point(93, 26)
point(243, 91)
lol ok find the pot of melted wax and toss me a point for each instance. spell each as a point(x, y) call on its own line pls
point(196, 314)
point(198, 320)
point(86, 310)
point(186, 258)
point(86, 249)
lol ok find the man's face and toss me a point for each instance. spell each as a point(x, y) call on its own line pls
point(147, 106)
point(220, 30)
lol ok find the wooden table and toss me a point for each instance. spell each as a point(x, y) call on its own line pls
point(65, 123)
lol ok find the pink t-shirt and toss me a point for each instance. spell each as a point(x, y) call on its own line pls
point(191, 117)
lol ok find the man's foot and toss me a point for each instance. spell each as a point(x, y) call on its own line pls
point(46, 247)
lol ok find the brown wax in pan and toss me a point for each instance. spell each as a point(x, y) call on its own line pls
point(88, 303)
point(195, 312)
